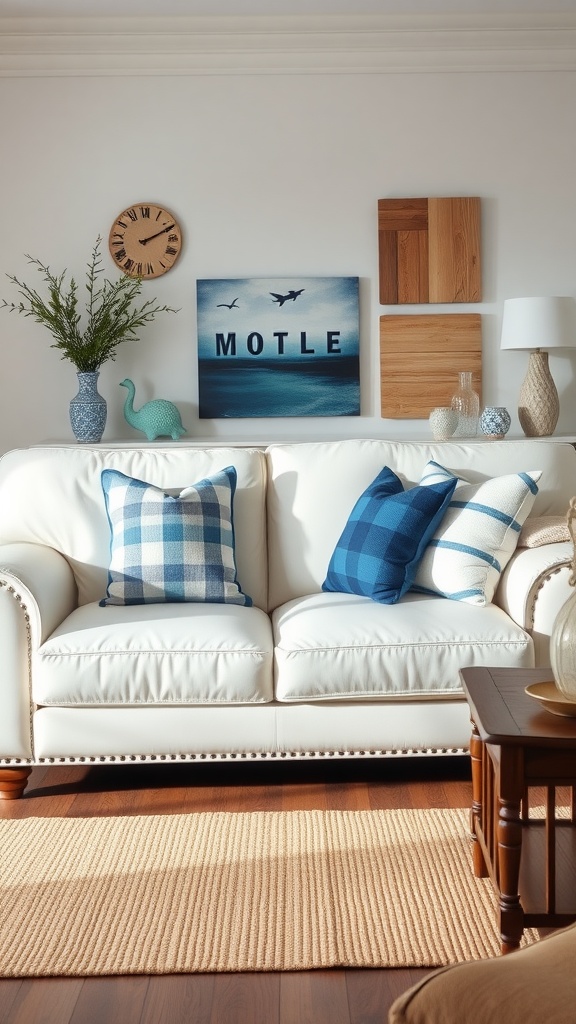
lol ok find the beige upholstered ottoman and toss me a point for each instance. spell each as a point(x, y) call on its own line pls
point(534, 985)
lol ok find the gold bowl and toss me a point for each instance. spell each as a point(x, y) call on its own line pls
point(551, 699)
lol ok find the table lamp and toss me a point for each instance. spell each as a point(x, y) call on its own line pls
point(538, 324)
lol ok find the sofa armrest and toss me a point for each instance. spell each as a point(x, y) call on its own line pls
point(37, 592)
point(533, 588)
point(533, 985)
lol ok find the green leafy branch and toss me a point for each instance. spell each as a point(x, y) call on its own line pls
point(111, 317)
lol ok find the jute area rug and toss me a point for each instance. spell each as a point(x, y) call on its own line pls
point(264, 891)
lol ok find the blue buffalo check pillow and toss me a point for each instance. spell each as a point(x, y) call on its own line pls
point(166, 548)
point(385, 537)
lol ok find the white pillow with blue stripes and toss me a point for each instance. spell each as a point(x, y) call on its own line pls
point(477, 536)
point(171, 549)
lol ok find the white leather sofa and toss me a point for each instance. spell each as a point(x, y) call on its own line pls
point(301, 673)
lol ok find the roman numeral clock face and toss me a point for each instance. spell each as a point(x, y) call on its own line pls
point(145, 240)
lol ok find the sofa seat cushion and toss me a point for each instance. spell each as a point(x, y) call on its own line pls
point(344, 646)
point(156, 655)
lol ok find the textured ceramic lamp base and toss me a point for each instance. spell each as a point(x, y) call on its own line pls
point(538, 407)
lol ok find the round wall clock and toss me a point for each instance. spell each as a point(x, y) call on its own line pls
point(145, 240)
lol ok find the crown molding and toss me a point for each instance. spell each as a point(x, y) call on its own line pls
point(271, 45)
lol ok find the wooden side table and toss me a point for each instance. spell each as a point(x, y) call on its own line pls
point(515, 746)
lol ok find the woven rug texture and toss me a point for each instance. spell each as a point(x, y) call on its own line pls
point(262, 891)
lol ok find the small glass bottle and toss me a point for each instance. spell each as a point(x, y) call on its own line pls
point(466, 403)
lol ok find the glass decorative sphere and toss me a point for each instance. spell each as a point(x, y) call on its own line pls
point(563, 649)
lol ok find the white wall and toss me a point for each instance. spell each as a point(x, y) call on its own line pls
point(273, 175)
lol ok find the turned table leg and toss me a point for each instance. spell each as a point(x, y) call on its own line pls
point(509, 850)
point(13, 782)
point(477, 810)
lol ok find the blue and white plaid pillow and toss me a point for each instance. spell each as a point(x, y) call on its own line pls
point(385, 537)
point(478, 535)
point(168, 549)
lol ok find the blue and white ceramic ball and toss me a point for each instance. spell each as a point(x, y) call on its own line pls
point(495, 421)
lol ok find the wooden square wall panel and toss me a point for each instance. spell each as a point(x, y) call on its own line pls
point(429, 250)
point(420, 358)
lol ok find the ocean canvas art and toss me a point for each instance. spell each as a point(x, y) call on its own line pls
point(278, 347)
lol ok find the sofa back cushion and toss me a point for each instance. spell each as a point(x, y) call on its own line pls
point(53, 496)
point(313, 487)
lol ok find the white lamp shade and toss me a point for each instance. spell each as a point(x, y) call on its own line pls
point(539, 323)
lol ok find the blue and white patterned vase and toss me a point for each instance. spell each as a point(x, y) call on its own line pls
point(495, 421)
point(88, 410)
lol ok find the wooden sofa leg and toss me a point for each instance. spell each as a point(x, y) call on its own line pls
point(13, 782)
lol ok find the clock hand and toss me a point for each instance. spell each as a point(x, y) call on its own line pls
point(144, 241)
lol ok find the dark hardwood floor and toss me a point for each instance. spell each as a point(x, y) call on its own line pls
point(308, 997)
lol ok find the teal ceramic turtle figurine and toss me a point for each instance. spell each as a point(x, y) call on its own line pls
point(157, 418)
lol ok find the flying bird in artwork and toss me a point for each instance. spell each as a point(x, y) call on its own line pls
point(281, 299)
point(230, 305)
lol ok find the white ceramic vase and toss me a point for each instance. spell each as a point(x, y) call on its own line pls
point(443, 422)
